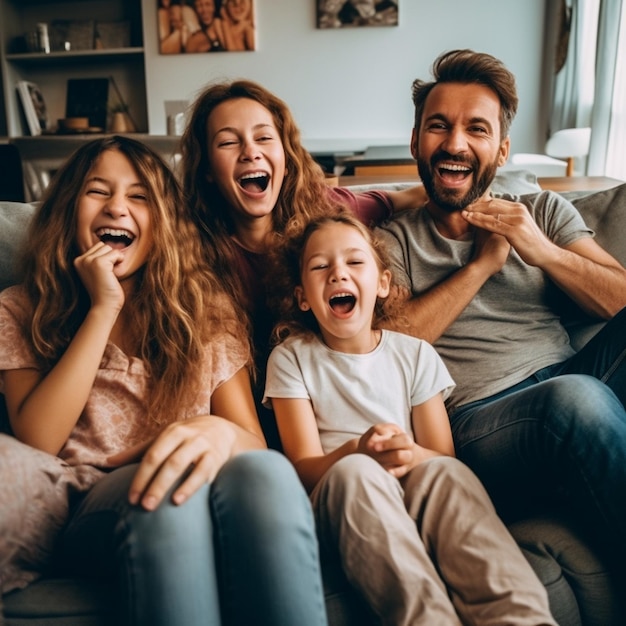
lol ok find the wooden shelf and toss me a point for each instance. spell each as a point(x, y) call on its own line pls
point(71, 55)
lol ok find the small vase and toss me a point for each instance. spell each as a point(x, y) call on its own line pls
point(120, 123)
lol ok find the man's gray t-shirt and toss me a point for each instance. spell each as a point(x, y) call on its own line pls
point(509, 330)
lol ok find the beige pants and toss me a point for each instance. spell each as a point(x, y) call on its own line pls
point(429, 549)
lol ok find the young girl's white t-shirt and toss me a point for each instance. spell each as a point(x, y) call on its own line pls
point(352, 392)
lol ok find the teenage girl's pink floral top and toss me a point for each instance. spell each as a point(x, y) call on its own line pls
point(114, 418)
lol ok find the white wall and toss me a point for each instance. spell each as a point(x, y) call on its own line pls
point(352, 86)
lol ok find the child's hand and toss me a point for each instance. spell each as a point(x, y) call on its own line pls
point(95, 268)
point(390, 446)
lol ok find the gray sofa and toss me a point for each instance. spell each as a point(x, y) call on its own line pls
point(579, 584)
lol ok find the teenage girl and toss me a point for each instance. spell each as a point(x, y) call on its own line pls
point(361, 415)
point(137, 450)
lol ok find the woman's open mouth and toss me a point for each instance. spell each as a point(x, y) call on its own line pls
point(255, 182)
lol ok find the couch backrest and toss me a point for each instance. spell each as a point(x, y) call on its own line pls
point(603, 211)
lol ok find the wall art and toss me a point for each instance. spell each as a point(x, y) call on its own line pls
point(350, 13)
point(192, 26)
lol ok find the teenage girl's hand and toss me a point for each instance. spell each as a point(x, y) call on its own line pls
point(189, 453)
point(96, 270)
point(194, 449)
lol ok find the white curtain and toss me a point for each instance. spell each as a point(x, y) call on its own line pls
point(574, 83)
point(590, 88)
point(607, 156)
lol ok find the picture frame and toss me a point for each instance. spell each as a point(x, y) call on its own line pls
point(195, 26)
point(34, 106)
point(356, 13)
point(88, 97)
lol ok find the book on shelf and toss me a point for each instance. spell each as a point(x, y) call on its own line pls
point(33, 105)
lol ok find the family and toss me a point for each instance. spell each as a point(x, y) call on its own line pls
point(206, 26)
point(189, 370)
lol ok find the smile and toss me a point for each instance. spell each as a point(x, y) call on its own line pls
point(342, 302)
point(115, 237)
point(255, 181)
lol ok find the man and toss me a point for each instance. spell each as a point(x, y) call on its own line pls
point(476, 274)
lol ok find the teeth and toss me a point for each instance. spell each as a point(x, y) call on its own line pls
point(253, 175)
point(343, 294)
point(456, 168)
point(115, 232)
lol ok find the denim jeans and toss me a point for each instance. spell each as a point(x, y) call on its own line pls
point(558, 437)
point(240, 551)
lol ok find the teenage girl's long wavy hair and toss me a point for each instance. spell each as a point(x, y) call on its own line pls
point(178, 305)
point(303, 193)
point(287, 259)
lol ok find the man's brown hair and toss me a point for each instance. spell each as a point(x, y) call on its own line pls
point(467, 66)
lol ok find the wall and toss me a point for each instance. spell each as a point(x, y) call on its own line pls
point(351, 87)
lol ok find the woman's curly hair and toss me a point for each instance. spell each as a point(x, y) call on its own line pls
point(287, 259)
point(178, 306)
point(303, 192)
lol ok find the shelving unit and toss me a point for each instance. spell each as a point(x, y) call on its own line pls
point(50, 71)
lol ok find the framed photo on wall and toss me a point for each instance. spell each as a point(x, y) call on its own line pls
point(351, 13)
point(192, 26)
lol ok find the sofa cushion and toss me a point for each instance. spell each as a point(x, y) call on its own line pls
point(605, 213)
point(558, 552)
point(82, 601)
point(14, 220)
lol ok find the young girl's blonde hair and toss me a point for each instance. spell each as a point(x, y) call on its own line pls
point(287, 259)
point(178, 305)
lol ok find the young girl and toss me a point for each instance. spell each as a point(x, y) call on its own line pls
point(246, 174)
point(117, 346)
point(361, 415)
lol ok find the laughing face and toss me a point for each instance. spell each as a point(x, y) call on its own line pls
point(238, 10)
point(247, 159)
point(341, 281)
point(458, 146)
point(113, 208)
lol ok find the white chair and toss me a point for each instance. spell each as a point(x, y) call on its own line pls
point(561, 150)
point(569, 144)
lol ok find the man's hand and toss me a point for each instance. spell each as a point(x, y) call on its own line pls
point(513, 221)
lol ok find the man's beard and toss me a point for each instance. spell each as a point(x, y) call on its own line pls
point(448, 199)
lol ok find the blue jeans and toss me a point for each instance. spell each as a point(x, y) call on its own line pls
point(242, 550)
point(558, 437)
